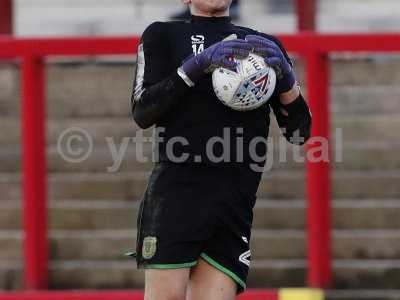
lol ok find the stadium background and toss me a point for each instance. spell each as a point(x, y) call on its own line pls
point(92, 212)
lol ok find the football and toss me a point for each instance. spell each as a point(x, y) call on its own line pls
point(246, 88)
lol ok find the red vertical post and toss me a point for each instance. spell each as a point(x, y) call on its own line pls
point(34, 173)
point(6, 19)
point(318, 173)
point(306, 15)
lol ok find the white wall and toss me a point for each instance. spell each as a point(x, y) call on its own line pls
point(122, 17)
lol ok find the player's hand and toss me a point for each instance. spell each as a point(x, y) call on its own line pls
point(217, 55)
point(274, 57)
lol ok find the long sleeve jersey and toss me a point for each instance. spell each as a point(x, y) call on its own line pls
point(190, 121)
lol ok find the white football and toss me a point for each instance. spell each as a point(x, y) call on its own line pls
point(247, 88)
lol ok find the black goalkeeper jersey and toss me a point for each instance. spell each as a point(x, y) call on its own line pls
point(191, 122)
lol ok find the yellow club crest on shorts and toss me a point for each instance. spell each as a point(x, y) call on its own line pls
point(149, 247)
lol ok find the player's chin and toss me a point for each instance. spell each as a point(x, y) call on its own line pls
point(217, 6)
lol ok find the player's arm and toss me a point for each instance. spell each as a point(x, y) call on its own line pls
point(293, 118)
point(157, 86)
point(289, 106)
point(157, 100)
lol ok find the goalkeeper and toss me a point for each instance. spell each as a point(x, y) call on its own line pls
point(196, 214)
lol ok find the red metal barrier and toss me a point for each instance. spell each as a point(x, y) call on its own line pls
point(306, 15)
point(318, 174)
point(74, 295)
point(116, 295)
point(6, 19)
point(34, 172)
point(313, 47)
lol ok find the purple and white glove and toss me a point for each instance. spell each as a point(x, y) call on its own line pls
point(274, 57)
point(217, 55)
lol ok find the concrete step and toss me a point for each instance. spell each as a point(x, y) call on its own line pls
point(365, 99)
point(74, 215)
point(265, 244)
point(355, 70)
point(85, 100)
point(81, 99)
point(126, 186)
point(104, 90)
point(10, 104)
point(347, 244)
point(378, 128)
point(358, 72)
point(271, 214)
point(11, 275)
point(351, 294)
point(351, 214)
point(90, 91)
point(367, 128)
point(354, 156)
point(101, 159)
point(97, 128)
point(131, 185)
point(11, 243)
point(348, 273)
point(76, 274)
point(75, 90)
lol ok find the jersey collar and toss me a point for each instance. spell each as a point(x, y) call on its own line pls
point(210, 20)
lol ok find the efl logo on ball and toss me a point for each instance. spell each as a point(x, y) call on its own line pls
point(248, 87)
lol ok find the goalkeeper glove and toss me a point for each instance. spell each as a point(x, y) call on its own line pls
point(275, 58)
point(217, 55)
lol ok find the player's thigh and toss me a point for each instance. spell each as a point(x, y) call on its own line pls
point(208, 283)
point(166, 284)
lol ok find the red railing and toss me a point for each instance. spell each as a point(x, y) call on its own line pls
point(120, 295)
point(6, 17)
point(306, 15)
point(314, 48)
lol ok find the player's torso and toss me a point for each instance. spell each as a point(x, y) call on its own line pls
point(201, 116)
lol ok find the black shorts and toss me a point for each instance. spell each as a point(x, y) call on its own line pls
point(192, 211)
